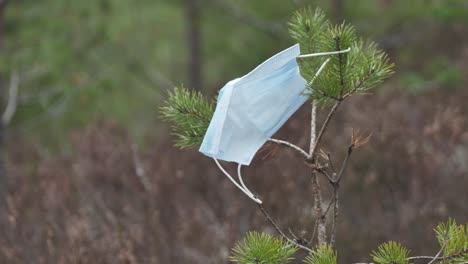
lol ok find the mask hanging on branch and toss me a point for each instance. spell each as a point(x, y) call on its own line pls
point(252, 108)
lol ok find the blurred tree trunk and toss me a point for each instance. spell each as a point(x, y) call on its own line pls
point(2, 98)
point(192, 8)
point(338, 10)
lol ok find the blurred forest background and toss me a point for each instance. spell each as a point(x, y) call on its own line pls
point(88, 173)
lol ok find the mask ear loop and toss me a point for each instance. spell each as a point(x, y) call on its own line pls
point(242, 182)
point(319, 71)
point(246, 191)
point(323, 53)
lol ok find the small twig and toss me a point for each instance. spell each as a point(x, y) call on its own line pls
point(313, 232)
point(12, 99)
point(323, 172)
point(290, 145)
point(345, 164)
point(421, 257)
point(438, 257)
point(332, 167)
point(292, 234)
point(329, 205)
point(438, 254)
point(273, 223)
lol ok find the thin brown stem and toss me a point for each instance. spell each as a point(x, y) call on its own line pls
point(313, 232)
point(330, 162)
point(345, 164)
point(324, 173)
point(278, 229)
point(437, 255)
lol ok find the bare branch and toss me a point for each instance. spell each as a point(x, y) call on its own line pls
point(12, 99)
point(323, 172)
point(313, 232)
point(437, 255)
point(345, 164)
point(438, 258)
point(273, 223)
point(290, 145)
point(330, 162)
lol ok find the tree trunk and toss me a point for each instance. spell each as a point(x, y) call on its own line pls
point(3, 92)
point(338, 10)
point(193, 39)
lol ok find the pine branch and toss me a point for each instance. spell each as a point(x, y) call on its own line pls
point(262, 248)
point(190, 114)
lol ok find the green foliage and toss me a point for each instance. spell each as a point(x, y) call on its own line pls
point(262, 249)
point(453, 239)
point(83, 61)
point(390, 253)
point(305, 27)
point(324, 254)
point(439, 73)
point(190, 113)
point(363, 68)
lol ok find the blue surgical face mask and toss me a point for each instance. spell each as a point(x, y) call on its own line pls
point(252, 108)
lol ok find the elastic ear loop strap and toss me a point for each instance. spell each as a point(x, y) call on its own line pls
point(246, 191)
point(323, 53)
point(241, 181)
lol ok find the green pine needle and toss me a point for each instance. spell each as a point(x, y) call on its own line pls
point(324, 254)
point(357, 71)
point(190, 114)
point(305, 27)
point(390, 253)
point(262, 248)
point(453, 239)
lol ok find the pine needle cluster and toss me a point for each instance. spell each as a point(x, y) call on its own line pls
point(262, 248)
point(190, 113)
point(391, 253)
point(453, 240)
point(323, 254)
point(362, 68)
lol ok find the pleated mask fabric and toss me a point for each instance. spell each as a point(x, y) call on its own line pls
point(252, 108)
